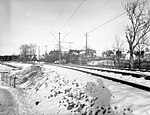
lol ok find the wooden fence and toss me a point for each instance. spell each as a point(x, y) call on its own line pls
point(7, 78)
point(124, 64)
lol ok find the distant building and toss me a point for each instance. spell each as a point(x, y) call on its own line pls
point(9, 58)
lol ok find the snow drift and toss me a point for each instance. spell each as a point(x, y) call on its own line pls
point(51, 93)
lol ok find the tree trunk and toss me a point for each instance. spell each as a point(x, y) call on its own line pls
point(139, 61)
point(131, 58)
point(24, 59)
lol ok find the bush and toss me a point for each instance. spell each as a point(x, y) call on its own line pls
point(63, 61)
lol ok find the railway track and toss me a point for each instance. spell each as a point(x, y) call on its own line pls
point(136, 74)
point(99, 73)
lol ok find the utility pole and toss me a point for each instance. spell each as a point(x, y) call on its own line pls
point(86, 35)
point(46, 53)
point(59, 49)
point(30, 53)
point(39, 52)
point(45, 49)
point(59, 43)
point(35, 49)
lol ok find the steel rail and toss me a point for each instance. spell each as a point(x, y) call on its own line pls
point(126, 72)
point(138, 86)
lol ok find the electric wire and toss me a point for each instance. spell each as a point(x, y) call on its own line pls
point(53, 36)
point(106, 22)
point(92, 15)
point(109, 20)
point(73, 14)
point(61, 11)
point(64, 36)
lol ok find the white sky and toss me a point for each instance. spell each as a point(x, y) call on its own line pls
point(30, 21)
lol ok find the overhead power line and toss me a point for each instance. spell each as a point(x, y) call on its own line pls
point(53, 36)
point(61, 11)
point(99, 8)
point(73, 14)
point(106, 22)
point(110, 20)
point(65, 36)
point(92, 15)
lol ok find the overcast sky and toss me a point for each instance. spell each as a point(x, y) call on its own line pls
point(32, 21)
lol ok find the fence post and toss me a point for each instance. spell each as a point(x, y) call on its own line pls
point(0, 76)
point(6, 78)
point(3, 78)
point(15, 81)
point(7, 75)
point(10, 80)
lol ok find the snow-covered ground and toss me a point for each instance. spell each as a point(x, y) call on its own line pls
point(9, 66)
point(6, 102)
point(50, 90)
point(125, 100)
point(17, 64)
point(5, 68)
point(9, 97)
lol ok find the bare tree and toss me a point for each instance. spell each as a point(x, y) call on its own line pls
point(140, 50)
point(118, 47)
point(139, 27)
point(118, 44)
point(24, 51)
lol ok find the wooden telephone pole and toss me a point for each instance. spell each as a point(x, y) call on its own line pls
point(59, 43)
point(45, 49)
point(39, 52)
point(86, 35)
point(59, 49)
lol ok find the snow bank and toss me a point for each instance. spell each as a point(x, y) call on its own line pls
point(5, 68)
point(8, 105)
point(51, 93)
point(17, 64)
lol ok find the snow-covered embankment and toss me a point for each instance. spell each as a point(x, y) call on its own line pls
point(52, 93)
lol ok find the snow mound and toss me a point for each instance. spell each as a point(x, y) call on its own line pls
point(51, 93)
